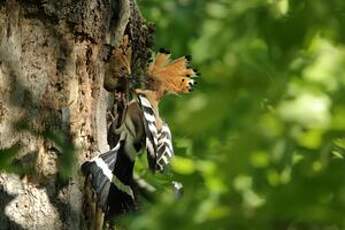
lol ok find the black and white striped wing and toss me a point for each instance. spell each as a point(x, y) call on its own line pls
point(150, 131)
point(111, 175)
point(99, 169)
point(165, 148)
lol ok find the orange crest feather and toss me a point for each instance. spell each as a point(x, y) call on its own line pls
point(123, 56)
point(171, 76)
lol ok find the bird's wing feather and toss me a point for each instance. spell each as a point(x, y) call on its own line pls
point(150, 130)
point(111, 175)
point(165, 148)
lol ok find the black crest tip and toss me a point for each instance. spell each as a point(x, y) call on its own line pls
point(164, 51)
point(188, 57)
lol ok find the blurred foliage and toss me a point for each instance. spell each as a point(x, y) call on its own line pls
point(260, 143)
point(67, 153)
point(7, 156)
point(12, 160)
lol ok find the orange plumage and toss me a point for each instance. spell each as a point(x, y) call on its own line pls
point(170, 76)
point(123, 56)
point(163, 75)
point(119, 66)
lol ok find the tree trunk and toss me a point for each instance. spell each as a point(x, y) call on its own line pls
point(52, 70)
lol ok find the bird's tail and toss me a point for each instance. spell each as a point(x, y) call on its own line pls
point(111, 177)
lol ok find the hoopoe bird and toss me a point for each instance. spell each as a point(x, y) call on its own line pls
point(141, 127)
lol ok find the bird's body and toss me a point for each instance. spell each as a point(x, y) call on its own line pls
point(111, 173)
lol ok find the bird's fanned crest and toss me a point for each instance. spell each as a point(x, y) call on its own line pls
point(171, 76)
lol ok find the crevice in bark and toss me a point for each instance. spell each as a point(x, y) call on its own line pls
point(5, 199)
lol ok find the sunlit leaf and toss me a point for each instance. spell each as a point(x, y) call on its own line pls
point(337, 155)
point(259, 159)
point(183, 165)
point(273, 177)
point(243, 182)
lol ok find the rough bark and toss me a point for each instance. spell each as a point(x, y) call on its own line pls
point(51, 79)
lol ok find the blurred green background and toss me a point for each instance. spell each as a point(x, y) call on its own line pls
point(260, 143)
